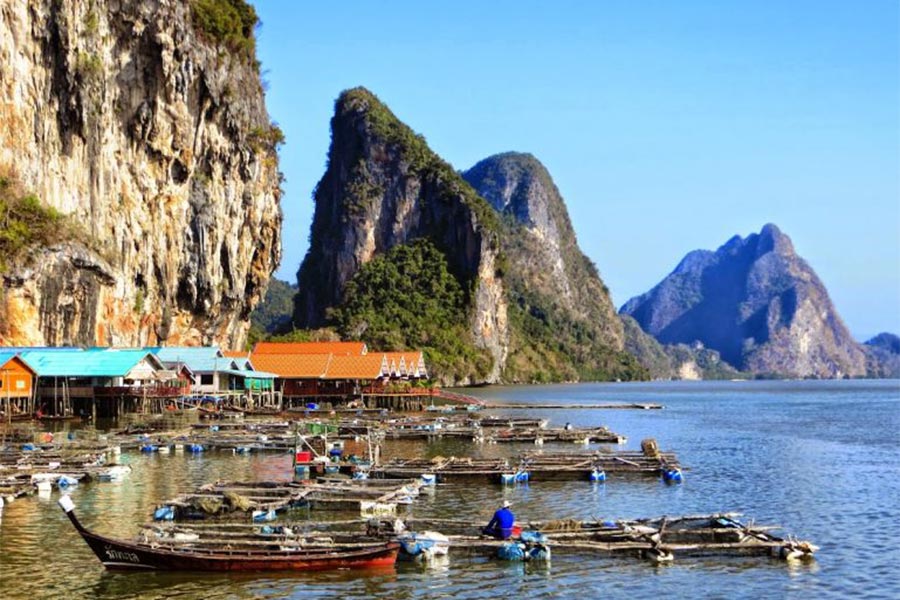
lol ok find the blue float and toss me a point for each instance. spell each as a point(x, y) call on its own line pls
point(513, 551)
point(65, 482)
point(261, 516)
point(598, 475)
point(672, 476)
point(164, 513)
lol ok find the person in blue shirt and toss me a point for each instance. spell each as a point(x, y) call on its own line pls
point(501, 525)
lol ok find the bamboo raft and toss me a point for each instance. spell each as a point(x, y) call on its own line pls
point(659, 539)
point(599, 435)
point(281, 436)
point(538, 466)
point(263, 500)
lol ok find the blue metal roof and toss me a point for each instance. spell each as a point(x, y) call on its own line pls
point(18, 349)
point(5, 357)
point(197, 358)
point(77, 363)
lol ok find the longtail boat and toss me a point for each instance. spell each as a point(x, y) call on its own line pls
point(120, 554)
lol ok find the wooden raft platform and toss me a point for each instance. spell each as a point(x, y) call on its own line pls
point(236, 500)
point(539, 466)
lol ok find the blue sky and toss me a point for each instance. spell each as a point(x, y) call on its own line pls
point(667, 126)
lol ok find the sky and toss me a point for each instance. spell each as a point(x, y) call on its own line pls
point(666, 126)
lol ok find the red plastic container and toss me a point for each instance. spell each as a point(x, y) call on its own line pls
point(516, 530)
point(304, 457)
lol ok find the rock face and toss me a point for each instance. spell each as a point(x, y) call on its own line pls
point(564, 324)
point(674, 361)
point(383, 188)
point(755, 302)
point(883, 356)
point(138, 124)
point(387, 204)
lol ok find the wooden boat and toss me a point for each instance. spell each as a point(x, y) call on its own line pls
point(120, 554)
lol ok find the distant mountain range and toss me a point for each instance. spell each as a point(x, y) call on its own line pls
point(482, 270)
point(756, 303)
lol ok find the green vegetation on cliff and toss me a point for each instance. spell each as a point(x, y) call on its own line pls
point(562, 324)
point(273, 314)
point(547, 345)
point(228, 22)
point(408, 299)
point(422, 160)
point(26, 223)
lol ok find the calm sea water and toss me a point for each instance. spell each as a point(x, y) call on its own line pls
point(819, 458)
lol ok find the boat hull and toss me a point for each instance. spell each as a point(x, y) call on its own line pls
point(116, 555)
point(124, 556)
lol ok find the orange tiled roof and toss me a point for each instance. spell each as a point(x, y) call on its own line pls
point(370, 366)
point(336, 348)
point(292, 366)
point(235, 354)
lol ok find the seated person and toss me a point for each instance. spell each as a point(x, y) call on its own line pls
point(501, 524)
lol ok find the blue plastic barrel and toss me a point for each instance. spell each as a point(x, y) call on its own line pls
point(164, 513)
point(598, 475)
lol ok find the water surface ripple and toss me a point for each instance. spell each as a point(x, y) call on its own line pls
point(819, 458)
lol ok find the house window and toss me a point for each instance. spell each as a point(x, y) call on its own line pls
point(20, 385)
point(206, 379)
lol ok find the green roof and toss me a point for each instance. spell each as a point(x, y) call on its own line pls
point(77, 363)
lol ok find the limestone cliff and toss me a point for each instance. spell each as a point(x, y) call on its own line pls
point(147, 126)
point(674, 361)
point(883, 356)
point(755, 302)
point(563, 322)
point(385, 188)
point(404, 252)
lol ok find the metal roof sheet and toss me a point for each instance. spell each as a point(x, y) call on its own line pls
point(76, 363)
point(198, 358)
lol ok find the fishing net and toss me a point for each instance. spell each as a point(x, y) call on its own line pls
point(562, 525)
point(237, 502)
point(210, 506)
